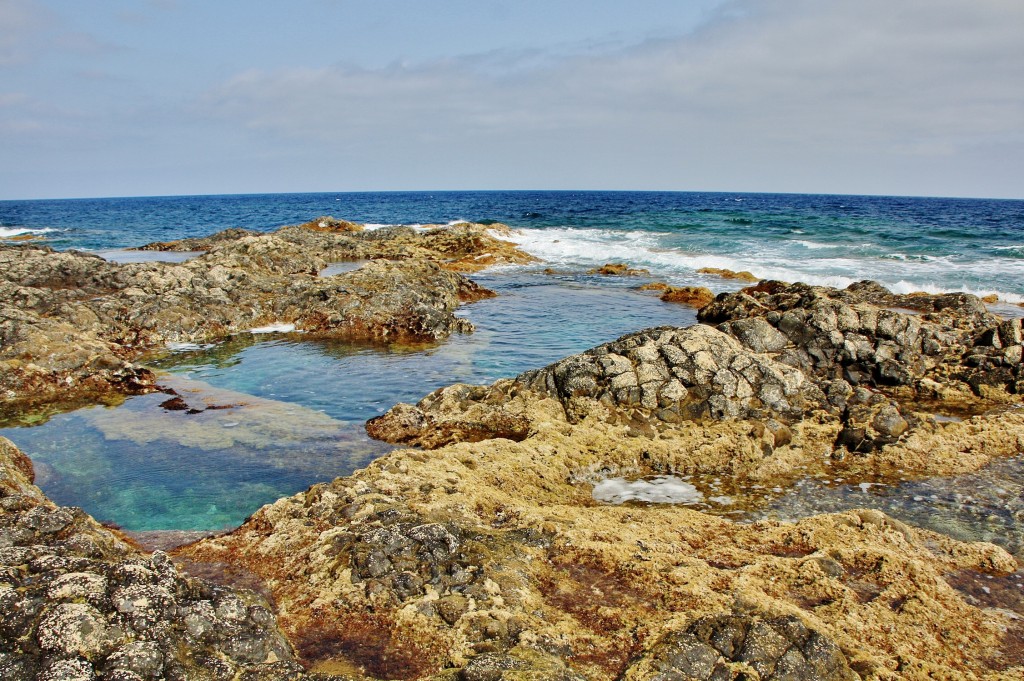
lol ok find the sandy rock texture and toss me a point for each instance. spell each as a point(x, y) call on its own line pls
point(77, 602)
point(73, 326)
point(485, 556)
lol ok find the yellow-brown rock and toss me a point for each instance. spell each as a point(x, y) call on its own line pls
point(425, 561)
point(729, 274)
point(694, 296)
point(618, 269)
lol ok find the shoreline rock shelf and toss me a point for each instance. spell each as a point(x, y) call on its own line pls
point(486, 550)
point(483, 554)
point(73, 326)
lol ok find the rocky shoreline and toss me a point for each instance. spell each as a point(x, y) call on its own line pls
point(482, 553)
point(74, 327)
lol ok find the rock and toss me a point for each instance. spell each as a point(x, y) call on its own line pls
point(729, 274)
point(694, 296)
point(518, 665)
point(329, 223)
point(617, 269)
point(723, 646)
point(871, 337)
point(76, 601)
point(663, 375)
point(72, 324)
point(655, 286)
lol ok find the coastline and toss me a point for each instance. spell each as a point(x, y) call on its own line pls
point(484, 552)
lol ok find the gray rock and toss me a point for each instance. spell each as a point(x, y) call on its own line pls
point(777, 648)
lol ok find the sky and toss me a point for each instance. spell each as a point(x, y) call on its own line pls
point(167, 97)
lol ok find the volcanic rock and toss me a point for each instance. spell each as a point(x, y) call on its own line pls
point(77, 601)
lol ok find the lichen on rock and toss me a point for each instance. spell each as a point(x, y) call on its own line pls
point(78, 601)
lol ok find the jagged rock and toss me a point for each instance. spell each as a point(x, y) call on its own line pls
point(725, 647)
point(77, 601)
point(871, 337)
point(664, 375)
point(458, 413)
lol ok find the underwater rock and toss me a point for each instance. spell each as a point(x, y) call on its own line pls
point(77, 601)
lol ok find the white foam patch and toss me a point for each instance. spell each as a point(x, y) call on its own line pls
point(8, 232)
point(188, 347)
point(278, 327)
point(577, 248)
point(341, 268)
point(663, 489)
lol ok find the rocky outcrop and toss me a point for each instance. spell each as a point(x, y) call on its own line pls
point(74, 326)
point(492, 560)
point(618, 269)
point(694, 296)
point(864, 335)
point(460, 247)
point(488, 557)
point(872, 366)
point(77, 602)
point(729, 274)
point(658, 376)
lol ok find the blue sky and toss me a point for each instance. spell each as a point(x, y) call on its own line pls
point(148, 97)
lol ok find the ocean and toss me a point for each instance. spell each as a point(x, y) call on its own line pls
point(134, 466)
point(907, 244)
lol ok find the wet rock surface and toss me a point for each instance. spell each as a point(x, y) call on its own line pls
point(74, 326)
point(78, 602)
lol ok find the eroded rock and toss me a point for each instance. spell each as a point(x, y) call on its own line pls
point(77, 601)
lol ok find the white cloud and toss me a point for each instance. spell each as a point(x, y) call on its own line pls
point(914, 77)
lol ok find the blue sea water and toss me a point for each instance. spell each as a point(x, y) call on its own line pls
point(145, 468)
point(933, 244)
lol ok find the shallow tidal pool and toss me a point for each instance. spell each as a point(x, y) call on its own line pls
point(267, 415)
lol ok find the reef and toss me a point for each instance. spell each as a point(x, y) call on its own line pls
point(75, 328)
